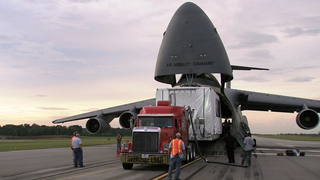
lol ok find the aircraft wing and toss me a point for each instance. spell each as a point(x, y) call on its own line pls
point(270, 102)
point(113, 111)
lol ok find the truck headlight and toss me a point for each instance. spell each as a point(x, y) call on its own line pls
point(166, 147)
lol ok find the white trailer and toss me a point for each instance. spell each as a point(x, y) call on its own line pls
point(206, 107)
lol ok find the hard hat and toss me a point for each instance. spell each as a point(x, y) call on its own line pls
point(178, 135)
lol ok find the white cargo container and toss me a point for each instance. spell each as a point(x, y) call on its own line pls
point(206, 105)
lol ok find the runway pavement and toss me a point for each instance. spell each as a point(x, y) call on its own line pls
point(101, 163)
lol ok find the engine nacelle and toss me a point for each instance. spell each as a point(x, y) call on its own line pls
point(97, 125)
point(307, 119)
point(124, 119)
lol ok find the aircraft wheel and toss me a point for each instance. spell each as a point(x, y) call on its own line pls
point(127, 166)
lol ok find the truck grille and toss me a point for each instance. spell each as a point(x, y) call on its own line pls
point(145, 142)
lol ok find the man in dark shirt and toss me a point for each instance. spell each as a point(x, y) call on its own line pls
point(119, 138)
point(230, 145)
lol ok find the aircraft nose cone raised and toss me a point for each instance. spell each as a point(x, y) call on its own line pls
point(191, 45)
point(189, 8)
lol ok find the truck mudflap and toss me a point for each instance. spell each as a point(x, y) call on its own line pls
point(145, 158)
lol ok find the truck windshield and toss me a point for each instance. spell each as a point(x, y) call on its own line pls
point(155, 121)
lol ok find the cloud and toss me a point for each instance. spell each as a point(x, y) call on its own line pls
point(253, 40)
point(301, 79)
point(52, 108)
point(62, 58)
point(304, 25)
point(41, 95)
point(293, 32)
point(254, 79)
point(260, 54)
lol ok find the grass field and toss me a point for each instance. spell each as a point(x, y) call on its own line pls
point(15, 145)
point(293, 137)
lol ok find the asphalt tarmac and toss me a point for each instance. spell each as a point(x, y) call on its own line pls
point(101, 163)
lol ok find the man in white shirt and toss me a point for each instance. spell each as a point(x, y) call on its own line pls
point(248, 141)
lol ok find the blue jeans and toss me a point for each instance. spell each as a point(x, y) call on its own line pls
point(175, 162)
point(77, 156)
point(118, 148)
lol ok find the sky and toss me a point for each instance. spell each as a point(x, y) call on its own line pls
point(65, 57)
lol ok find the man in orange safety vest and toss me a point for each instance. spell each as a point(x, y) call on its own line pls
point(177, 152)
point(74, 136)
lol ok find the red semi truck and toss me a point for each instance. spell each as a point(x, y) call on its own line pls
point(154, 129)
point(155, 126)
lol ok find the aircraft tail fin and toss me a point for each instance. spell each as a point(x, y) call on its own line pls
point(246, 68)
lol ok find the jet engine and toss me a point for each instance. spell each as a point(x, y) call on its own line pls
point(98, 124)
point(307, 119)
point(124, 119)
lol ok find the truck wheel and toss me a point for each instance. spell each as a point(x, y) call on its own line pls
point(190, 156)
point(167, 167)
point(187, 157)
point(127, 166)
point(193, 152)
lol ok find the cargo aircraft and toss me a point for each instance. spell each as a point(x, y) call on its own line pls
point(192, 50)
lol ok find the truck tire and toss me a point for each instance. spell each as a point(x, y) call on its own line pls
point(167, 167)
point(187, 156)
point(190, 155)
point(193, 152)
point(127, 166)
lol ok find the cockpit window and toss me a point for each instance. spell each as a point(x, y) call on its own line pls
point(155, 121)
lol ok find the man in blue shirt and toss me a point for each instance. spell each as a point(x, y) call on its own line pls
point(77, 149)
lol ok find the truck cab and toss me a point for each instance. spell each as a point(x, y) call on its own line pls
point(154, 129)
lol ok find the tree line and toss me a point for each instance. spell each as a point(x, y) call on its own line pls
point(43, 130)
